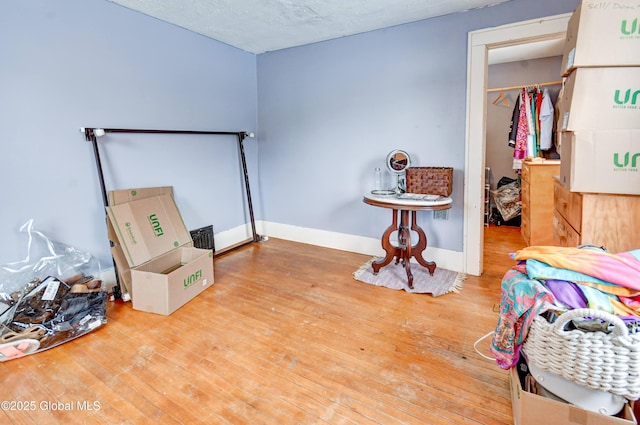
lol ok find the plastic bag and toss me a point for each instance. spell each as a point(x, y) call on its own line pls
point(49, 298)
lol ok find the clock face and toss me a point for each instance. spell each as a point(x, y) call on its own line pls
point(398, 161)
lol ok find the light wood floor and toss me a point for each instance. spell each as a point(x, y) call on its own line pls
point(285, 336)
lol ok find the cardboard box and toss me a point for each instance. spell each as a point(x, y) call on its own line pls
point(117, 197)
point(166, 270)
point(606, 161)
point(601, 99)
point(603, 34)
point(533, 409)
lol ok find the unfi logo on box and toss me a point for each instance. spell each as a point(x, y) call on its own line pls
point(630, 30)
point(626, 99)
point(192, 278)
point(155, 224)
point(624, 164)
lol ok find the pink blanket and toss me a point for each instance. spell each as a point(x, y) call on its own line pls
point(622, 269)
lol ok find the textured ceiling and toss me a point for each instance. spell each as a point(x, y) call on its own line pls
point(259, 26)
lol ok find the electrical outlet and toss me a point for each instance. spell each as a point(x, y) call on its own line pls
point(441, 215)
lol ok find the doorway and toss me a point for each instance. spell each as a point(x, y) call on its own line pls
point(515, 38)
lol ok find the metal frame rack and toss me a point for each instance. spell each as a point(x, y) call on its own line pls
point(93, 134)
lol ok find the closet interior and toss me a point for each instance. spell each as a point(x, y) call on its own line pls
point(520, 123)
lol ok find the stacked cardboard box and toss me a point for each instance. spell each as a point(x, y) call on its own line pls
point(599, 136)
point(599, 118)
point(157, 264)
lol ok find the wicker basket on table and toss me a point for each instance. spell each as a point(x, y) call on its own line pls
point(430, 180)
point(605, 361)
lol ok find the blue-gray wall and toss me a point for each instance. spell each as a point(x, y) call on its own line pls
point(67, 64)
point(325, 115)
point(330, 112)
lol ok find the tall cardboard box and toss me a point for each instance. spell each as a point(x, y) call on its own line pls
point(603, 161)
point(601, 99)
point(603, 34)
point(166, 270)
point(117, 197)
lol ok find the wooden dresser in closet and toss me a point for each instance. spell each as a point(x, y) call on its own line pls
point(537, 201)
point(612, 221)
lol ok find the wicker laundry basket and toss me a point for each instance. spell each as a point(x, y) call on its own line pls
point(605, 361)
point(430, 180)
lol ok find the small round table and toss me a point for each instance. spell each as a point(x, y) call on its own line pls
point(401, 205)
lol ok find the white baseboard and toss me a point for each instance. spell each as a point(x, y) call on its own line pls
point(450, 260)
point(233, 236)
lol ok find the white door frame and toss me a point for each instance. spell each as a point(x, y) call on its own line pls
point(479, 44)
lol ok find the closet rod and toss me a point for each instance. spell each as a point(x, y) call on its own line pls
point(550, 83)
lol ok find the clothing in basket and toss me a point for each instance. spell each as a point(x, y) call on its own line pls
point(605, 281)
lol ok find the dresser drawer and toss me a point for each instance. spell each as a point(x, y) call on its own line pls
point(612, 221)
point(568, 204)
point(563, 233)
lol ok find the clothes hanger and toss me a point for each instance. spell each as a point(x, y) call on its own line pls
point(502, 99)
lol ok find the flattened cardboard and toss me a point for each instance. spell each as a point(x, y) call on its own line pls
point(533, 409)
point(606, 161)
point(603, 34)
point(601, 99)
point(148, 227)
point(166, 270)
point(117, 197)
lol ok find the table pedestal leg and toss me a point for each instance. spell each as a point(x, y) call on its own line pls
point(404, 245)
point(421, 245)
point(386, 244)
point(405, 250)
